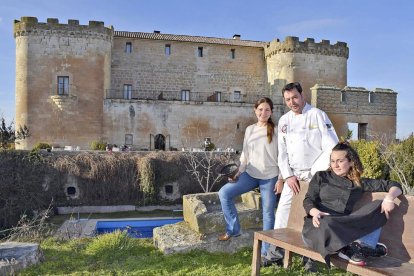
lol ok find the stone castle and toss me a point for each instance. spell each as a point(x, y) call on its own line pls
point(81, 83)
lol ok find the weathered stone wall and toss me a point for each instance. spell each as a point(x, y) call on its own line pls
point(306, 62)
point(148, 69)
point(185, 123)
point(377, 108)
point(45, 51)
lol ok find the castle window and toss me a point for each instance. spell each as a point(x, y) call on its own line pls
point(237, 96)
point(371, 97)
point(128, 139)
point(343, 97)
point(218, 96)
point(63, 85)
point(127, 91)
point(233, 53)
point(128, 47)
point(167, 49)
point(185, 95)
point(200, 51)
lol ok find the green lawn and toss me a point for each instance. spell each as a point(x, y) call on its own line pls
point(117, 254)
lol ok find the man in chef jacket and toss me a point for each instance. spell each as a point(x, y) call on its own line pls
point(306, 137)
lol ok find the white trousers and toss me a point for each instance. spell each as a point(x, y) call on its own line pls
point(285, 201)
point(283, 208)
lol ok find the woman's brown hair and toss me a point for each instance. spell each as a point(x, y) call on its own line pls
point(355, 172)
point(270, 124)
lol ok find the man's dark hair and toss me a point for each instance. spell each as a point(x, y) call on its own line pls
point(291, 86)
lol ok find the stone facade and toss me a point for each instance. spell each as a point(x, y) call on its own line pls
point(136, 88)
point(374, 111)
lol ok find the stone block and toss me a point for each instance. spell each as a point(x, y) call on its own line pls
point(15, 256)
point(203, 212)
point(179, 237)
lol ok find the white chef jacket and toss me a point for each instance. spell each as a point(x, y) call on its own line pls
point(305, 140)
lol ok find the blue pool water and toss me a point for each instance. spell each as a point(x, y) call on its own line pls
point(136, 228)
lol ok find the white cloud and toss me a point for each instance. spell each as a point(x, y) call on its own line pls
point(308, 26)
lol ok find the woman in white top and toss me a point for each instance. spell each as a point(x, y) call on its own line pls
point(258, 168)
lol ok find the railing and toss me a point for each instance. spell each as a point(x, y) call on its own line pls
point(180, 96)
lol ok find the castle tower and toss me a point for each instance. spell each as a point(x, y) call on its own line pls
point(306, 62)
point(62, 71)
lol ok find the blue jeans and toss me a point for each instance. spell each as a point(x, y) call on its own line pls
point(245, 184)
point(371, 239)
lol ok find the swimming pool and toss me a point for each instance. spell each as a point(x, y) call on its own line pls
point(137, 228)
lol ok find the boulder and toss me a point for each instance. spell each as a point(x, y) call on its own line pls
point(15, 256)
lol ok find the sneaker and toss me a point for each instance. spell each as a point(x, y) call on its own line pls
point(380, 250)
point(265, 262)
point(353, 254)
point(309, 265)
point(276, 256)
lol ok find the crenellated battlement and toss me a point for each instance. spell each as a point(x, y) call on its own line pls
point(28, 25)
point(291, 44)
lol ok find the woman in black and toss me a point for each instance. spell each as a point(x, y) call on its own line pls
point(330, 226)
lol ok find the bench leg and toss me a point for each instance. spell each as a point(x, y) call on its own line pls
point(257, 246)
point(287, 261)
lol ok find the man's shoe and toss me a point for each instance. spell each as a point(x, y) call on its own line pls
point(380, 250)
point(309, 265)
point(265, 262)
point(276, 256)
point(224, 237)
point(353, 254)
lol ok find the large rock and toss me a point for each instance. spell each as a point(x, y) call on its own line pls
point(204, 215)
point(179, 237)
point(203, 222)
point(15, 256)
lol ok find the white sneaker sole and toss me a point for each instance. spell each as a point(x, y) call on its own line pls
point(345, 257)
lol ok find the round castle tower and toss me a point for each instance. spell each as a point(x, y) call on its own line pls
point(62, 72)
point(306, 62)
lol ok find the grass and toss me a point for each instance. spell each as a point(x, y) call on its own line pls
point(118, 254)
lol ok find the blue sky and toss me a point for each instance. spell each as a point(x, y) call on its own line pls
point(379, 33)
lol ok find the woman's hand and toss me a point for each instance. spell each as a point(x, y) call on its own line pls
point(316, 216)
point(234, 178)
point(278, 186)
point(387, 206)
point(388, 203)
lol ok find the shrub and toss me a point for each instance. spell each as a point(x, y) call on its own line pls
point(98, 145)
point(400, 159)
point(115, 241)
point(370, 154)
point(41, 145)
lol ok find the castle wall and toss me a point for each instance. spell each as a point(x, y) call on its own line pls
point(96, 60)
point(306, 62)
point(45, 51)
point(377, 109)
point(186, 123)
point(149, 70)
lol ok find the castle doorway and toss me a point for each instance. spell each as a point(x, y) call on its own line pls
point(159, 142)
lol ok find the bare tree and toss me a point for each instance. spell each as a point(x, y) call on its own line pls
point(204, 162)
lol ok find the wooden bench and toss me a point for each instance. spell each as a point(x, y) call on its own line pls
point(397, 234)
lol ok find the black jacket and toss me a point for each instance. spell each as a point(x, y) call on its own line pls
point(337, 196)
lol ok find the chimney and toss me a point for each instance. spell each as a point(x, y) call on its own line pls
point(236, 36)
